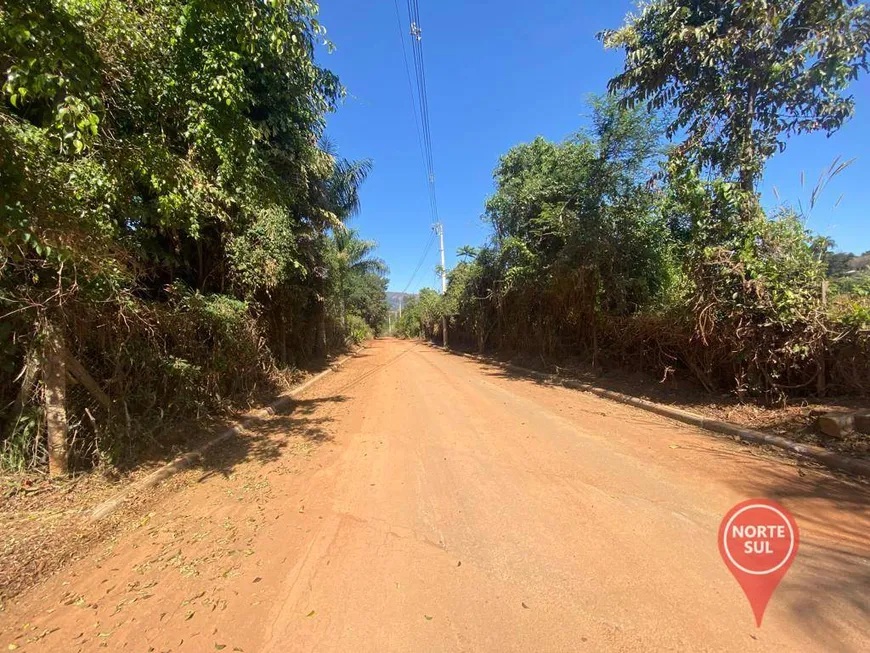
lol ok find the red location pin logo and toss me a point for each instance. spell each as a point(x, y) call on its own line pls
point(758, 540)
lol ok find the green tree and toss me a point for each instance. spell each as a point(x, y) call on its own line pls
point(838, 263)
point(742, 74)
point(576, 234)
point(367, 298)
point(421, 315)
point(467, 252)
point(408, 323)
point(582, 210)
point(166, 199)
point(351, 259)
point(167, 141)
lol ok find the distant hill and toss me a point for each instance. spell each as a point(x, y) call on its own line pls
point(394, 298)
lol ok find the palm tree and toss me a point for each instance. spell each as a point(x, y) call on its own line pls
point(344, 184)
point(339, 192)
point(336, 196)
point(352, 257)
point(467, 252)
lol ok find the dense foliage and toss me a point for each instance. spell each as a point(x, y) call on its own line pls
point(167, 200)
point(359, 277)
point(741, 74)
point(676, 277)
point(610, 247)
point(421, 316)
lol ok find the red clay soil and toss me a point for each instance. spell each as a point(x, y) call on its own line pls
point(795, 419)
point(418, 501)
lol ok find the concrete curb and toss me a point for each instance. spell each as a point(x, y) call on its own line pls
point(181, 463)
point(817, 454)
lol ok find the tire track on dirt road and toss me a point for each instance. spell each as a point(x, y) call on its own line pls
point(416, 501)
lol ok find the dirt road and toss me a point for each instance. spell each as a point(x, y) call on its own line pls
point(417, 501)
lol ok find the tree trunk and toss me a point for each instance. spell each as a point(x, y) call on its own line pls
point(200, 266)
point(747, 180)
point(594, 345)
point(481, 336)
point(282, 335)
point(343, 306)
point(54, 379)
point(748, 163)
point(822, 374)
point(320, 344)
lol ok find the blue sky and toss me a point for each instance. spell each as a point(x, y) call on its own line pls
point(499, 74)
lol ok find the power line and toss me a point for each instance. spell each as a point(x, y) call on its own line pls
point(420, 70)
point(423, 98)
point(421, 261)
point(411, 89)
point(421, 120)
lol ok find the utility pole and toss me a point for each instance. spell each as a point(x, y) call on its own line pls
point(439, 229)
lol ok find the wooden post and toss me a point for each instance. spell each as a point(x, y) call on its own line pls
point(54, 380)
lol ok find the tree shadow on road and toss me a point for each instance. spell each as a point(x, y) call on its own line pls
point(827, 590)
point(828, 587)
point(796, 419)
point(265, 439)
point(829, 595)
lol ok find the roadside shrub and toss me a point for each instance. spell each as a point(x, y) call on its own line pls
point(358, 329)
point(732, 297)
point(159, 362)
point(166, 205)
